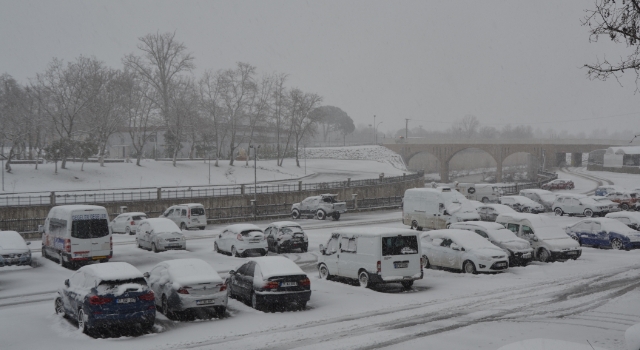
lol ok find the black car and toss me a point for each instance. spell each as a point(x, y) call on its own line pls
point(270, 280)
point(286, 236)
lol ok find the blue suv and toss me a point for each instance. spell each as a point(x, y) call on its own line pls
point(107, 295)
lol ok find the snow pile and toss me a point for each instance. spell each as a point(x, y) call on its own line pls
point(632, 337)
point(377, 153)
point(547, 344)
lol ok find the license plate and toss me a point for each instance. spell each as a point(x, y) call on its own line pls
point(526, 256)
point(400, 265)
point(173, 245)
point(572, 253)
point(125, 300)
point(205, 302)
point(99, 257)
point(501, 264)
point(288, 284)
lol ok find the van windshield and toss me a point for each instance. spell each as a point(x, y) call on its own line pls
point(94, 228)
point(399, 245)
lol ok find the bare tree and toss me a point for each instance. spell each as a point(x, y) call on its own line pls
point(138, 106)
point(303, 122)
point(620, 22)
point(210, 86)
point(14, 115)
point(259, 107)
point(183, 110)
point(279, 105)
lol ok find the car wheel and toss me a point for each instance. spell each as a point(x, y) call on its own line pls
point(61, 261)
point(165, 308)
point(154, 248)
point(469, 267)
point(588, 213)
point(138, 243)
point(183, 226)
point(425, 262)
point(234, 252)
point(59, 307)
point(43, 251)
point(363, 279)
point(305, 248)
point(295, 214)
point(336, 216)
point(127, 230)
point(543, 255)
point(215, 247)
point(617, 244)
point(82, 321)
point(624, 206)
point(321, 214)
point(323, 271)
point(221, 311)
point(202, 228)
point(485, 200)
point(407, 284)
point(254, 302)
point(302, 305)
point(558, 211)
point(264, 252)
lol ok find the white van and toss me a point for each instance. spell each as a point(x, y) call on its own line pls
point(372, 255)
point(73, 234)
point(436, 208)
point(484, 193)
point(548, 240)
point(187, 215)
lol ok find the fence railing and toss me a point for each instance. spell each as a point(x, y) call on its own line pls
point(515, 188)
point(156, 193)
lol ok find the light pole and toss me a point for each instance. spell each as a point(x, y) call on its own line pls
point(304, 147)
point(3, 158)
point(371, 126)
point(374, 129)
point(209, 167)
point(255, 170)
point(376, 132)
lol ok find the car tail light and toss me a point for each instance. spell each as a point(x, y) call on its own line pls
point(239, 237)
point(133, 222)
point(379, 266)
point(305, 282)
point(147, 296)
point(98, 300)
point(189, 213)
point(223, 287)
point(67, 245)
point(271, 285)
point(184, 290)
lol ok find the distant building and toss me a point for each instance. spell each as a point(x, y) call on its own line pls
point(618, 157)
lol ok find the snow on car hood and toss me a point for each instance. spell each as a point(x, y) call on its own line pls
point(562, 243)
point(165, 235)
point(487, 250)
point(11, 240)
point(519, 244)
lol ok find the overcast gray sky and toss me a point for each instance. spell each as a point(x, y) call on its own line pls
point(430, 61)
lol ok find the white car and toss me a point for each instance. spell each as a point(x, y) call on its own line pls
point(186, 216)
point(13, 249)
point(544, 197)
point(519, 250)
point(489, 212)
point(240, 239)
point(462, 250)
point(604, 232)
point(613, 206)
point(522, 204)
point(160, 234)
point(578, 204)
point(187, 284)
point(631, 219)
point(127, 223)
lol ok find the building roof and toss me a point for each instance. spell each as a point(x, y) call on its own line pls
point(623, 150)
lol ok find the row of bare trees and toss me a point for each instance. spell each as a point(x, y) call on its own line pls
point(85, 100)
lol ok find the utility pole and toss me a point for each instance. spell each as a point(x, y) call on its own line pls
point(406, 129)
point(374, 129)
point(3, 158)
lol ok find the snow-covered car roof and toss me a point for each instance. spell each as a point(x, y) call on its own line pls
point(191, 271)
point(237, 228)
point(280, 224)
point(536, 190)
point(465, 238)
point(329, 195)
point(572, 195)
point(68, 209)
point(501, 208)
point(536, 220)
point(132, 213)
point(113, 271)
point(12, 240)
point(376, 231)
point(476, 204)
point(522, 199)
point(483, 224)
point(190, 205)
point(611, 224)
point(161, 225)
point(624, 214)
point(272, 266)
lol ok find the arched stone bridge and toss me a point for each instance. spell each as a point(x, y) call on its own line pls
point(550, 153)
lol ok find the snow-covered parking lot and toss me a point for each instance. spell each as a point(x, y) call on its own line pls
point(595, 298)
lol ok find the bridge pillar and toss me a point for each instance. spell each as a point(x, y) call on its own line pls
point(561, 159)
point(576, 159)
point(498, 169)
point(444, 171)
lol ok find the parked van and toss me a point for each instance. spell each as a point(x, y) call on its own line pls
point(187, 216)
point(73, 234)
point(484, 193)
point(436, 208)
point(372, 255)
point(548, 240)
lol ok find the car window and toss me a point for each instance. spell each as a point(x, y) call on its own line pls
point(168, 212)
point(446, 242)
point(560, 200)
point(625, 221)
point(526, 230)
point(482, 233)
point(250, 269)
point(116, 283)
point(596, 227)
point(349, 245)
point(92, 228)
point(513, 227)
point(399, 245)
point(197, 211)
point(139, 217)
point(332, 246)
point(243, 269)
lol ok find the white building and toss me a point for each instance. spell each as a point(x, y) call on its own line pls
point(617, 157)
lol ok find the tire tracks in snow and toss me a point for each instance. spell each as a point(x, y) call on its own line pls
point(598, 180)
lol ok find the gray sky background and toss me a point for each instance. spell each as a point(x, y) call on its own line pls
point(431, 61)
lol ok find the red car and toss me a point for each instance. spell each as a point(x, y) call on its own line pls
point(625, 200)
point(558, 184)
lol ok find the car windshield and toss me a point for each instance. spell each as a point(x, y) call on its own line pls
point(329, 199)
point(399, 245)
point(246, 233)
point(550, 233)
point(291, 230)
point(94, 228)
point(197, 211)
point(113, 284)
point(588, 201)
point(502, 235)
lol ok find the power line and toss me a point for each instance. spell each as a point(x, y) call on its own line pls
point(539, 122)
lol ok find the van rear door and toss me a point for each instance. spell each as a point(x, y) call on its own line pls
point(400, 256)
point(90, 234)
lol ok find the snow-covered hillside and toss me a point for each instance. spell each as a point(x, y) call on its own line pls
point(377, 153)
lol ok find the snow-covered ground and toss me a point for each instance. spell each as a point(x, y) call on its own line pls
point(377, 153)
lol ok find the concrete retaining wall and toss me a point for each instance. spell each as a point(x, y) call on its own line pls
point(624, 169)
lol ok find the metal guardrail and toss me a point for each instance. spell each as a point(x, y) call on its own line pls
point(515, 189)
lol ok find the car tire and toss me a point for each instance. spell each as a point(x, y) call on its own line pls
point(295, 214)
point(321, 215)
point(264, 252)
point(147, 327)
point(154, 248)
point(255, 303)
point(220, 311)
point(202, 228)
point(425, 262)
point(305, 248)
point(407, 284)
point(127, 230)
point(544, 255)
point(588, 213)
point(183, 226)
point(234, 252)
point(165, 309)
point(277, 249)
point(215, 247)
point(43, 252)
point(59, 307)
point(138, 244)
point(617, 244)
point(469, 267)
point(323, 272)
point(485, 200)
point(61, 261)
point(336, 216)
point(82, 322)
point(363, 279)
point(302, 305)
point(558, 212)
point(624, 206)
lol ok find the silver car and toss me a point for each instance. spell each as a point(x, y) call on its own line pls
point(160, 234)
point(127, 223)
point(320, 207)
point(187, 284)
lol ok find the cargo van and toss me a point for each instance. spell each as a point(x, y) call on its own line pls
point(73, 234)
point(485, 193)
point(436, 208)
point(372, 256)
point(548, 240)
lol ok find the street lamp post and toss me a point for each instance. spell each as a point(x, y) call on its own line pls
point(209, 167)
point(255, 179)
point(3, 158)
point(374, 129)
point(376, 132)
point(304, 147)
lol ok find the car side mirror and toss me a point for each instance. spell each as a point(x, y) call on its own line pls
point(455, 246)
point(534, 238)
point(146, 275)
point(66, 282)
point(28, 243)
point(445, 213)
point(322, 249)
point(40, 229)
point(232, 272)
